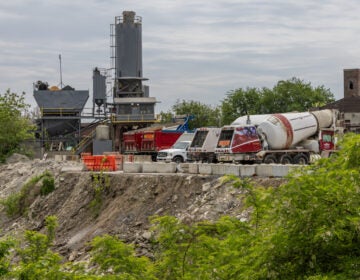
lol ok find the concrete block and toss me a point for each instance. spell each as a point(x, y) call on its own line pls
point(193, 168)
point(142, 158)
point(205, 169)
point(149, 167)
point(280, 170)
point(58, 157)
point(162, 167)
point(247, 170)
point(265, 170)
point(73, 168)
point(225, 169)
point(132, 167)
point(183, 167)
point(128, 158)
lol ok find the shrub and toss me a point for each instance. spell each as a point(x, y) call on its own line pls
point(17, 203)
point(48, 185)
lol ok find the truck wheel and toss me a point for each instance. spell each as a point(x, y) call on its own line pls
point(301, 159)
point(178, 159)
point(270, 159)
point(285, 159)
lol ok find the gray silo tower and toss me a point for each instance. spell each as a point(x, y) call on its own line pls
point(132, 103)
point(132, 106)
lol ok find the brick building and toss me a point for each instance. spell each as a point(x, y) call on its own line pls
point(349, 106)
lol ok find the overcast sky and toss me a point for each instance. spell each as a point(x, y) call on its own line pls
point(193, 50)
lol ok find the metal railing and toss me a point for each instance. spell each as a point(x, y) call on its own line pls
point(126, 118)
point(59, 111)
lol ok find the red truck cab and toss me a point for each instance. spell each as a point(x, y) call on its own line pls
point(243, 141)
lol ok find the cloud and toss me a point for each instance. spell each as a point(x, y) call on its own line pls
point(191, 49)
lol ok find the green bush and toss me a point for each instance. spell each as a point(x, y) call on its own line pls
point(16, 204)
point(48, 185)
point(100, 183)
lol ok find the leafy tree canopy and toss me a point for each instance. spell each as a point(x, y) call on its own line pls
point(205, 115)
point(286, 96)
point(15, 126)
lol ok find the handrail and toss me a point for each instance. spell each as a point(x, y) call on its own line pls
point(86, 139)
point(130, 118)
point(61, 111)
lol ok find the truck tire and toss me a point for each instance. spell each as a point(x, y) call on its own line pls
point(270, 159)
point(286, 159)
point(178, 159)
point(301, 159)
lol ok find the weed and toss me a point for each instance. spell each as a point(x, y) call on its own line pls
point(100, 182)
point(16, 204)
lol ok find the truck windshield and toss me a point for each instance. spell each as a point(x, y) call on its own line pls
point(225, 138)
point(199, 138)
point(180, 145)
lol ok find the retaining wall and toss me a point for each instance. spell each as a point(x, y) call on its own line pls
point(261, 170)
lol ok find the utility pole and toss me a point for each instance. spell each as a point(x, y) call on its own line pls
point(61, 83)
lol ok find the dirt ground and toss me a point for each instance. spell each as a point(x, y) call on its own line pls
point(123, 208)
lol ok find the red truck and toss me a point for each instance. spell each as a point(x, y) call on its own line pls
point(279, 138)
point(148, 141)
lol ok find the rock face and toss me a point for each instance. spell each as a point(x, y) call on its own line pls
point(123, 208)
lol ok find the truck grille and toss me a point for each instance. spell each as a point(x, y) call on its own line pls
point(162, 154)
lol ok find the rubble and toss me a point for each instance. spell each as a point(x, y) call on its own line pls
point(125, 205)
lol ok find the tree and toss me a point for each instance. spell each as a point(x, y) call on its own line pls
point(294, 95)
point(205, 115)
point(286, 96)
point(15, 127)
point(240, 102)
point(309, 227)
point(110, 253)
point(166, 117)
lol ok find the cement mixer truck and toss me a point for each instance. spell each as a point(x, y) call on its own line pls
point(289, 138)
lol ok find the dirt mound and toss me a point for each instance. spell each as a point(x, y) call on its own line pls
point(88, 204)
point(14, 158)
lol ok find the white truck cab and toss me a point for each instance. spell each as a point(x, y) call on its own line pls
point(177, 153)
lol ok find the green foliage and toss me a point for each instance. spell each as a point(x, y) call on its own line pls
point(100, 184)
point(205, 115)
point(12, 204)
point(6, 244)
point(295, 95)
point(315, 218)
point(109, 253)
point(48, 184)
point(15, 127)
point(241, 102)
point(308, 228)
point(37, 261)
point(202, 250)
point(166, 117)
point(51, 225)
point(286, 96)
point(17, 203)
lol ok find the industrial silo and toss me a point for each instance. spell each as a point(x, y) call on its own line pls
point(128, 53)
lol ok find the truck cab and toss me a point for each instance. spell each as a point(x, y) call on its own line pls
point(238, 143)
point(177, 153)
point(202, 147)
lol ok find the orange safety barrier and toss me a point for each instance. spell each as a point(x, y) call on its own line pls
point(100, 163)
point(119, 159)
